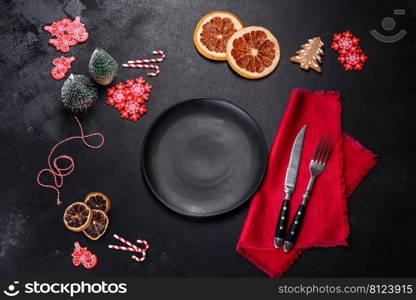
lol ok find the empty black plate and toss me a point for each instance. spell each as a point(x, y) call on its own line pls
point(204, 157)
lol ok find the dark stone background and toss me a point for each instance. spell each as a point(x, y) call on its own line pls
point(379, 110)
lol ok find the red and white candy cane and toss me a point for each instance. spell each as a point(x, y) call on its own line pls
point(145, 244)
point(115, 247)
point(124, 241)
point(131, 248)
point(143, 251)
point(150, 74)
point(143, 63)
point(150, 60)
point(139, 259)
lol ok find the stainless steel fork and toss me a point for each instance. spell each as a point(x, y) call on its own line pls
point(317, 165)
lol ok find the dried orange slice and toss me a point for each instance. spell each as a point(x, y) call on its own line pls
point(98, 225)
point(98, 200)
point(77, 216)
point(212, 33)
point(253, 52)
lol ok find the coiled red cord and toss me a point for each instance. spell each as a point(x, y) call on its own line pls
point(58, 173)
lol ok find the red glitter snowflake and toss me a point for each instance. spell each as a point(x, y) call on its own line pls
point(345, 42)
point(62, 65)
point(116, 95)
point(350, 54)
point(68, 33)
point(129, 98)
point(353, 60)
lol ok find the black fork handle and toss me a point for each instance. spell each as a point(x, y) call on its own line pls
point(296, 225)
point(294, 228)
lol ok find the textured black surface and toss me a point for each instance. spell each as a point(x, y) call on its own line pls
point(379, 110)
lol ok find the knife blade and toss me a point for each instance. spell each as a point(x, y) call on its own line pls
point(289, 187)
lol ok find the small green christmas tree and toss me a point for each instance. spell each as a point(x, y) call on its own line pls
point(102, 67)
point(78, 93)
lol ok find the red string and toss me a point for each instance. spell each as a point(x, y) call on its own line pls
point(59, 173)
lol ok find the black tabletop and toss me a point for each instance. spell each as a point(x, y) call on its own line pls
point(378, 110)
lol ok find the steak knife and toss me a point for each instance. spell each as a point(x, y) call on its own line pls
point(290, 181)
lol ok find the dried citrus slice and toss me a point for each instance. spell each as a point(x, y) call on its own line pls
point(98, 225)
point(77, 216)
point(98, 200)
point(253, 52)
point(212, 33)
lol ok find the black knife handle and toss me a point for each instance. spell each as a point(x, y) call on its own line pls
point(294, 228)
point(279, 237)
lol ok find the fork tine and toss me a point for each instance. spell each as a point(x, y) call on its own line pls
point(317, 149)
point(321, 147)
point(324, 149)
point(328, 151)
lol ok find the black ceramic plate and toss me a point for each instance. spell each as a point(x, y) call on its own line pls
point(204, 157)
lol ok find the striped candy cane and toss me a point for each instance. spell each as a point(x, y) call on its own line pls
point(115, 247)
point(143, 63)
point(144, 243)
point(131, 248)
point(150, 74)
point(150, 60)
point(124, 241)
point(139, 259)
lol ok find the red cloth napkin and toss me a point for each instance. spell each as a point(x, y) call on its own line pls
point(326, 219)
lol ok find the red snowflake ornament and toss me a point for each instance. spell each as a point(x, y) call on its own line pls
point(139, 90)
point(345, 42)
point(353, 60)
point(68, 33)
point(81, 255)
point(116, 95)
point(350, 54)
point(129, 98)
point(62, 65)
